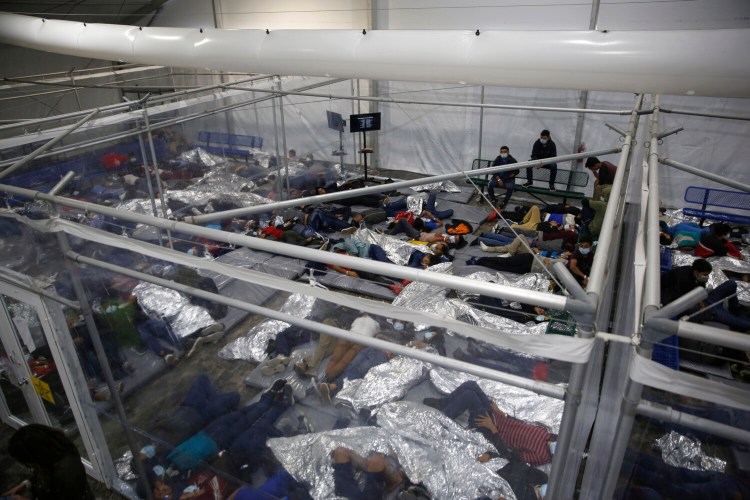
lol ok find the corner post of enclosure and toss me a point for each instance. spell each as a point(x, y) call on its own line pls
point(651, 301)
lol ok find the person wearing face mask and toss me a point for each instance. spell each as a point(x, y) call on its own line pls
point(543, 148)
point(580, 261)
point(682, 279)
point(505, 180)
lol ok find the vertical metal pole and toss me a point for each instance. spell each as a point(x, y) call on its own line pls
point(75, 91)
point(283, 137)
point(279, 164)
point(150, 185)
point(481, 122)
point(156, 171)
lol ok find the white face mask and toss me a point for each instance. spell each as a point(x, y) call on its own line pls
point(543, 141)
point(434, 247)
point(503, 155)
point(584, 251)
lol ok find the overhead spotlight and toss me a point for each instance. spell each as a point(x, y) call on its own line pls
point(364, 32)
point(477, 33)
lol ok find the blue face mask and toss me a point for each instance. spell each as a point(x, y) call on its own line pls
point(553, 447)
point(503, 155)
point(543, 490)
point(584, 251)
point(543, 141)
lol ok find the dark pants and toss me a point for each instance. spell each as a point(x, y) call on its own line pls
point(508, 185)
point(467, 397)
point(403, 226)
point(321, 220)
point(439, 214)
point(519, 263)
point(376, 252)
point(224, 431)
point(496, 239)
point(201, 405)
point(391, 209)
point(153, 332)
point(248, 450)
point(730, 316)
point(291, 338)
point(361, 364)
point(552, 174)
point(347, 486)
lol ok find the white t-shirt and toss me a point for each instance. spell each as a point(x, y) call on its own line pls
point(365, 326)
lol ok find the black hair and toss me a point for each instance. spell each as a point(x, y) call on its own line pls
point(664, 238)
point(720, 229)
point(504, 147)
point(418, 223)
point(585, 238)
point(39, 445)
point(585, 202)
point(434, 259)
point(545, 132)
point(702, 266)
point(592, 161)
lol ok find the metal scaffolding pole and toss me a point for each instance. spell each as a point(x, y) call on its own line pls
point(667, 414)
point(201, 219)
point(26, 159)
point(706, 175)
point(283, 139)
point(156, 171)
point(651, 301)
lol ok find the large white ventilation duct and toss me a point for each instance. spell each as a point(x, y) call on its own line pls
point(701, 62)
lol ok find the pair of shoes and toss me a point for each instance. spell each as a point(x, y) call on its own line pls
point(349, 230)
point(436, 403)
point(552, 187)
point(527, 183)
point(287, 395)
point(493, 200)
point(472, 261)
point(274, 366)
point(325, 393)
point(483, 246)
point(325, 245)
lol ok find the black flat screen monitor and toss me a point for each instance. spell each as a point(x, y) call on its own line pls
point(335, 121)
point(364, 123)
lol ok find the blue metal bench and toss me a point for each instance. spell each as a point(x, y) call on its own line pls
point(720, 198)
point(226, 144)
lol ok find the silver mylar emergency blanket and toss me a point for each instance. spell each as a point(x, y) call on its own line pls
point(447, 186)
point(682, 451)
point(252, 346)
point(183, 317)
point(430, 447)
point(519, 403)
point(385, 382)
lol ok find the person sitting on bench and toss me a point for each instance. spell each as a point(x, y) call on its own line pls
point(505, 180)
point(543, 148)
point(604, 172)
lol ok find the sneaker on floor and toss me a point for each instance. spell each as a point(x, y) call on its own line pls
point(170, 359)
point(472, 261)
point(278, 385)
point(216, 327)
point(197, 342)
point(527, 183)
point(213, 337)
point(270, 346)
point(349, 230)
point(287, 395)
point(325, 393)
point(483, 246)
point(552, 187)
point(325, 244)
point(272, 367)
